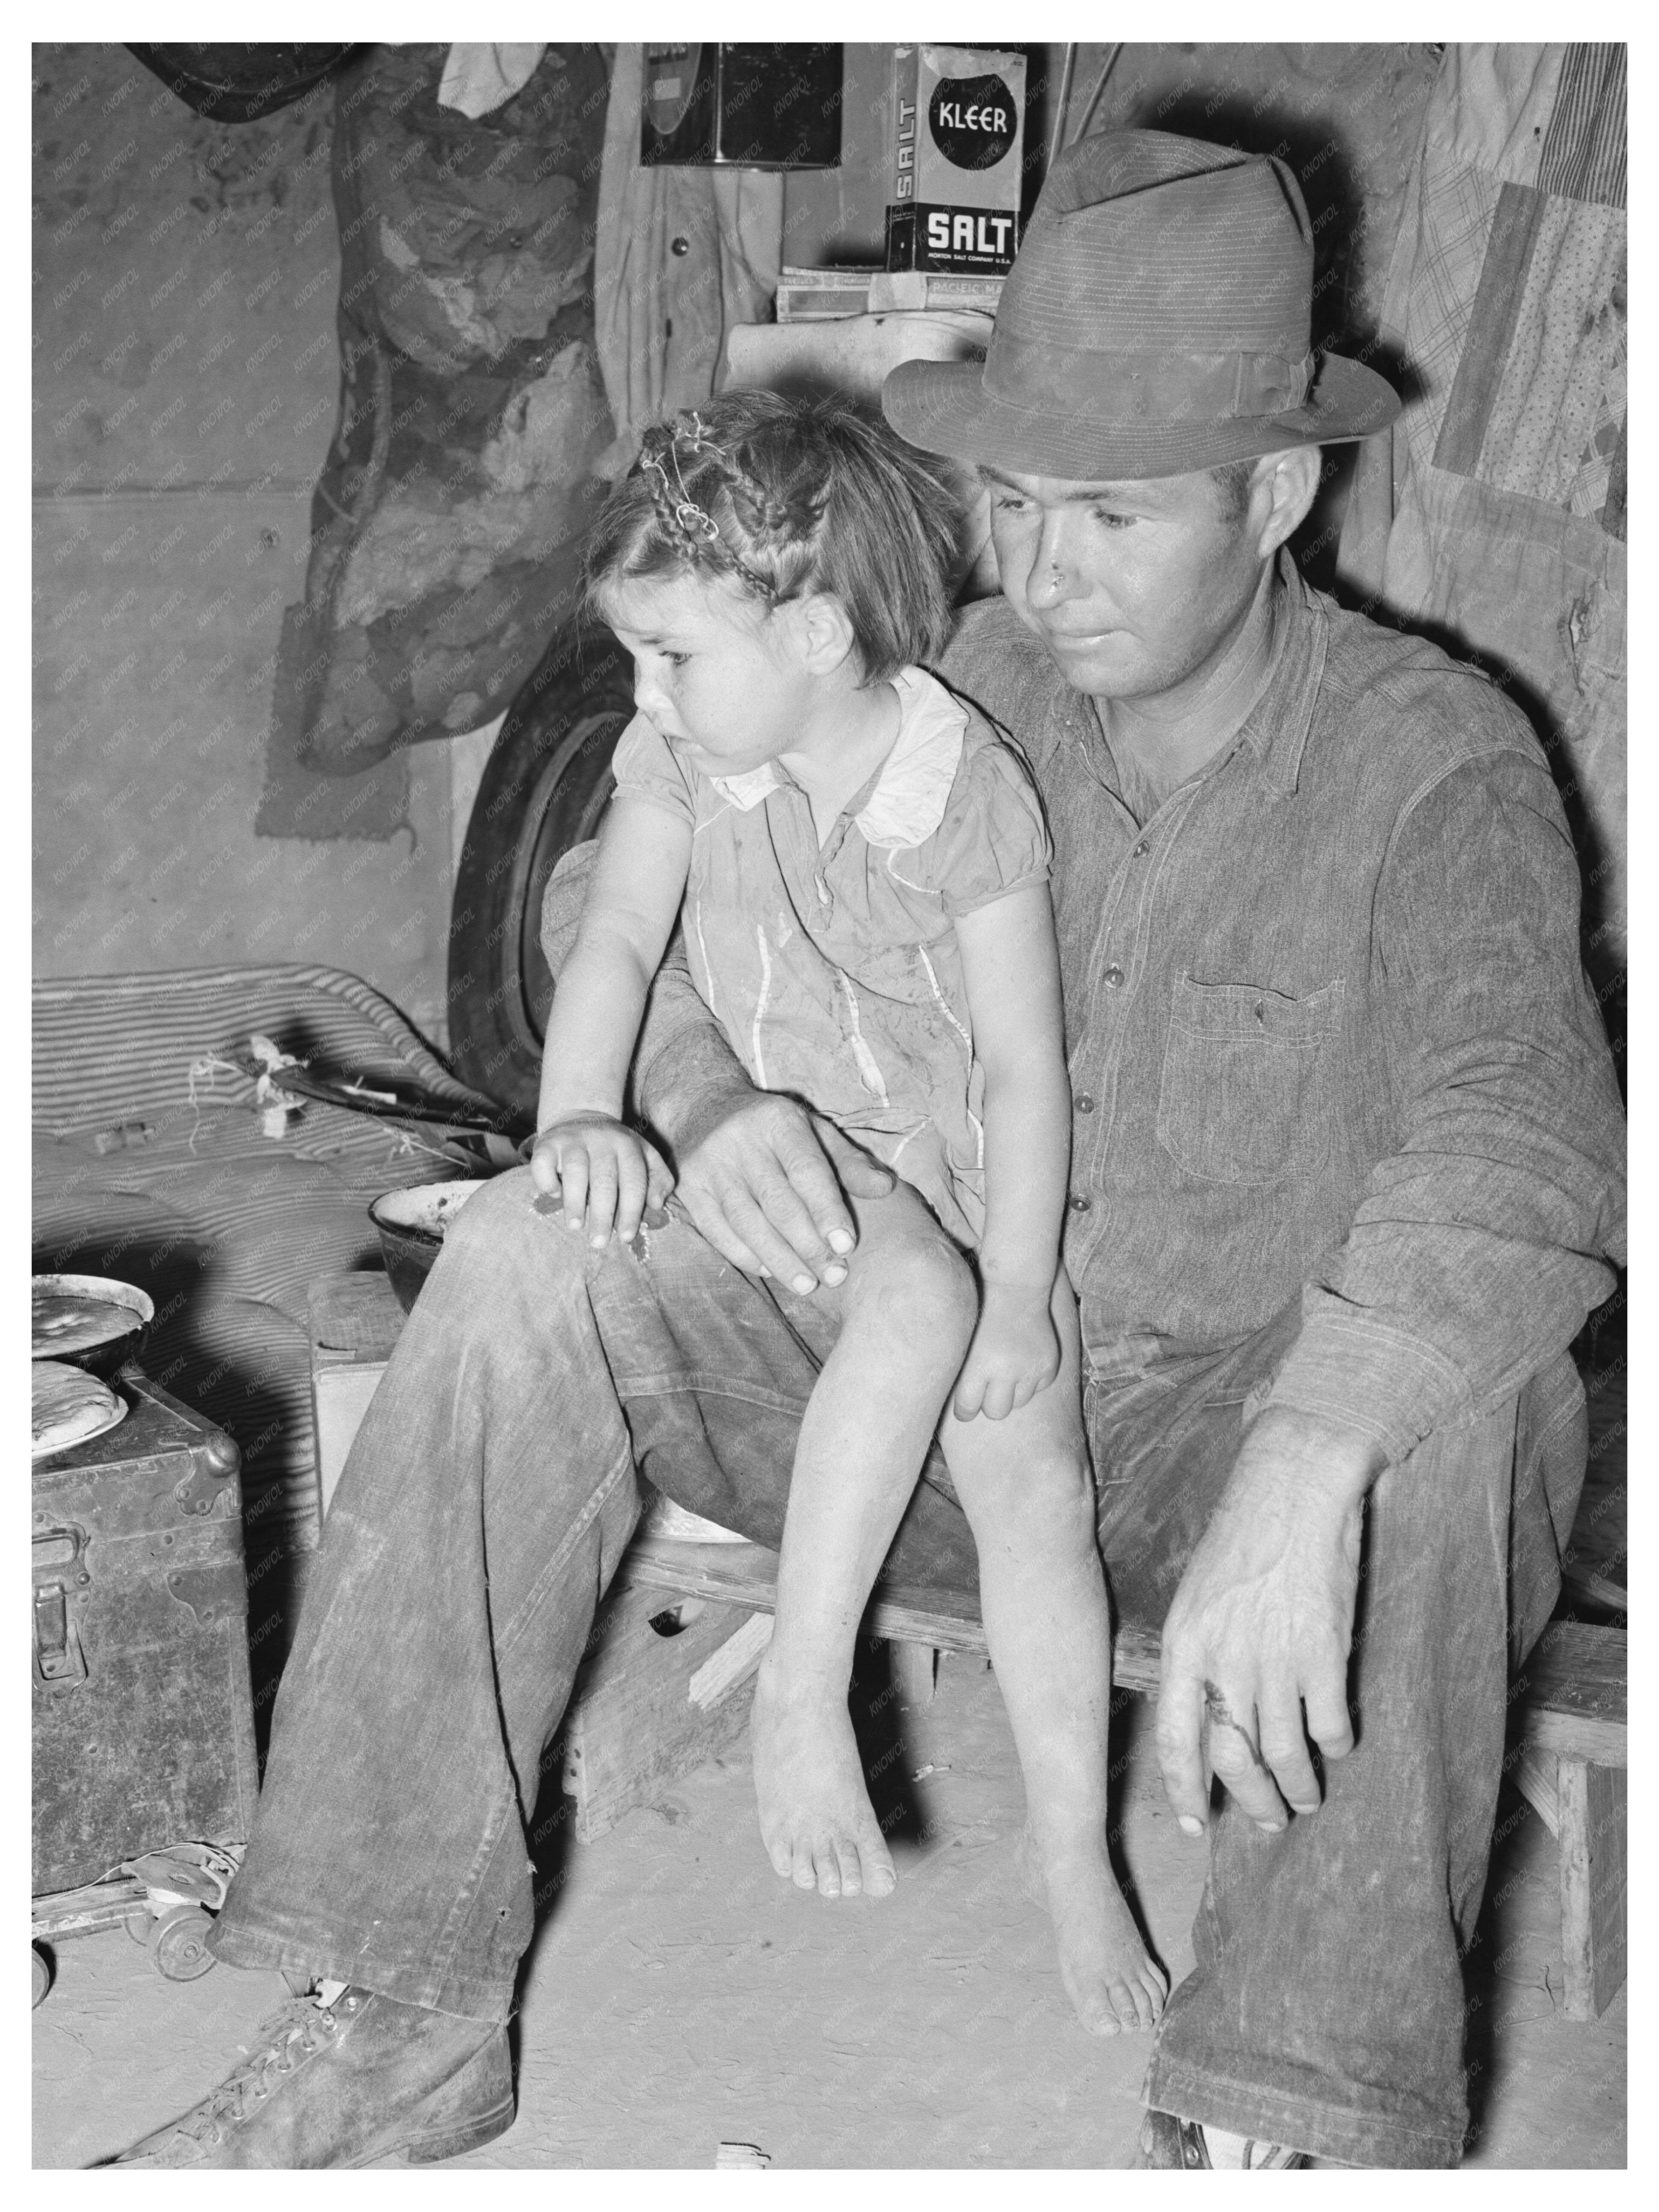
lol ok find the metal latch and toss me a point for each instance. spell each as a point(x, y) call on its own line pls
point(216, 1462)
point(60, 1661)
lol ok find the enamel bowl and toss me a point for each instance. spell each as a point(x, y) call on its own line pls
point(91, 1321)
point(410, 1224)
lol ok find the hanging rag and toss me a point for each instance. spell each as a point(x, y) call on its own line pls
point(476, 79)
point(446, 527)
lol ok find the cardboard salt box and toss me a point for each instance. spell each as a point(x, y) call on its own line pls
point(958, 126)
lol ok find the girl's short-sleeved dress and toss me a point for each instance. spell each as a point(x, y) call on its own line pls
point(835, 972)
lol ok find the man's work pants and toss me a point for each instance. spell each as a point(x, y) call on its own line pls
point(490, 1495)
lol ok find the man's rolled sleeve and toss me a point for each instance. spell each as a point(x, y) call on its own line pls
point(1483, 1240)
point(1355, 1370)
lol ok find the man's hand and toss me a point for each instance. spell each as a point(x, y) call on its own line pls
point(1014, 1354)
point(602, 1172)
point(764, 1186)
point(1262, 1624)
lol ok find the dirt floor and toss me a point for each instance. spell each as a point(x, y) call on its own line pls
point(679, 1997)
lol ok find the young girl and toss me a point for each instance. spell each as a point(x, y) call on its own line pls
point(862, 866)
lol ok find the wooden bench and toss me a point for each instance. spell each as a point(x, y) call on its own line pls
point(656, 1695)
point(1570, 1762)
point(930, 1620)
point(1568, 1754)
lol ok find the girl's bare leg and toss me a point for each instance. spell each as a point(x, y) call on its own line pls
point(908, 1307)
point(1025, 1486)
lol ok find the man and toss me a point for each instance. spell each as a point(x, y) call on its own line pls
point(1346, 1154)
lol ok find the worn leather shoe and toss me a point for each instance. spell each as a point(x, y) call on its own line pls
point(346, 2083)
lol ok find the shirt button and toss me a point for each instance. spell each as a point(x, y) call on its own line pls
point(679, 247)
point(1140, 850)
point(1084, 1103)
point(1079, 1203)
point(1113, 979)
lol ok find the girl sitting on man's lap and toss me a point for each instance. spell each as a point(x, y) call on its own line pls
point(862, 868)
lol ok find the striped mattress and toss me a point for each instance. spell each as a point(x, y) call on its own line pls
point(151, 1164)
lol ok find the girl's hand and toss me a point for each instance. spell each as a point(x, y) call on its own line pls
point(604, 1173)
point(1014, 1354)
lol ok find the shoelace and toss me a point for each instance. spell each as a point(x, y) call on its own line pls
point(305, 2027)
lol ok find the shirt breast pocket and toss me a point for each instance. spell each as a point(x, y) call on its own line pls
point(1248, 1093)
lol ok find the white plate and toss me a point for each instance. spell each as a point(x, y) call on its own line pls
point(44, 1446)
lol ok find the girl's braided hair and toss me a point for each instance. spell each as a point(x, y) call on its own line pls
point(784, 497)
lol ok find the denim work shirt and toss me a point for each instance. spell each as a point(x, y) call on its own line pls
point(1327, 1028)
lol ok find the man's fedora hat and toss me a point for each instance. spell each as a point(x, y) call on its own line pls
point(1156, 320)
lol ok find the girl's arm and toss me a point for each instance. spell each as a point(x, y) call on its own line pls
point(1010, 969)
point(584, 1150)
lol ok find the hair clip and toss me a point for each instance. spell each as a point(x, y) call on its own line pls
point(686, 512)
point(690, 519)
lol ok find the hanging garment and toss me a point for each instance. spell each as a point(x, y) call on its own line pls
point(681, 256)
point(447, 523)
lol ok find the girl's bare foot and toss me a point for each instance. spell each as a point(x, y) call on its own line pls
point(816, 1818)
point(1109, 1974)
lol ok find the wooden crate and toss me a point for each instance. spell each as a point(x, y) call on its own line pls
point(353, 1322)
point(647, 1707)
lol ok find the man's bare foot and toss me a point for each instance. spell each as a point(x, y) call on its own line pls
point(815, 1817)
point(1107, 1973)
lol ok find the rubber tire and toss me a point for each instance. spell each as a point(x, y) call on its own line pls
point(178, 1944)
point(545, 788)
point(41, 1976)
